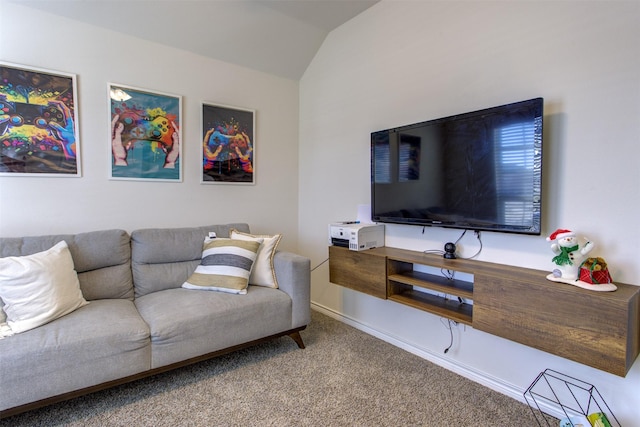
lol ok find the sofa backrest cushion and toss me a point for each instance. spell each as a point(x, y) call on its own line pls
point(102, 259)
point(164, 258)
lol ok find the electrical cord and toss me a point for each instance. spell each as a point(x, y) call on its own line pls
point(477, 233)
point(433, 251)
point(460, 238)
point(441, 252)
point(448, 274)
point(319, 264)
point(448, 326)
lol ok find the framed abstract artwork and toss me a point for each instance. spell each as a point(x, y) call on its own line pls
point(145, 134)
point(38, 122)
point(228, 145)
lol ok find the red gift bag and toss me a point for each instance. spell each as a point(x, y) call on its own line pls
point(595, 271)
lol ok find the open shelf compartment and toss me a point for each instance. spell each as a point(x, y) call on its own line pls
point(458, 288)
point(449, 308)
point(442, 296)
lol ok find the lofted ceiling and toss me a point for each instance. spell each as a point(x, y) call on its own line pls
point(278, 37)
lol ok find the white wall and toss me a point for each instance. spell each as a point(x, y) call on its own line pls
point(35, 205)
point(407, 61)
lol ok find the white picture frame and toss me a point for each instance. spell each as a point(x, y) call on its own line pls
point(39, 127)
point(228, 144)
point(145, 134)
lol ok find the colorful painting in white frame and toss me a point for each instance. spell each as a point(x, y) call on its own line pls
point(145, 134)
point(39, 132)
point(228, 145)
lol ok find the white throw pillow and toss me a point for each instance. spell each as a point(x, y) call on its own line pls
point(263, 273)
point(5, 330)
point(225, 267)
point(39, 288)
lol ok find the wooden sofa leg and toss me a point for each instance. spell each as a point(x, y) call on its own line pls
point(297, 338)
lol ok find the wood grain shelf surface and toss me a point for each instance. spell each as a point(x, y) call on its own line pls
point(361, 271)
point(449, 308)
point(458, 288)
point(598, 329)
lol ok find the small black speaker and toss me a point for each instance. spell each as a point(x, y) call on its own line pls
point(450, 250)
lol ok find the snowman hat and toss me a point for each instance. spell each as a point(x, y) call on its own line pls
point(560, 234)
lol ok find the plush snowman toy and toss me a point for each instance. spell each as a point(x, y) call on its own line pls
point(569, 254)
point(569, 257)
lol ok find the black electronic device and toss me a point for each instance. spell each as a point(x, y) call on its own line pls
point(449, 250)
point(480, 170)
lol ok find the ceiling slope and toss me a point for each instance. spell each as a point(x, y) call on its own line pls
point(278, 37)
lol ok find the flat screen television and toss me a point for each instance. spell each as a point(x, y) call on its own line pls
point(480, 171)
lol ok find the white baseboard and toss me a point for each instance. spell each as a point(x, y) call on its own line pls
point(466, 371)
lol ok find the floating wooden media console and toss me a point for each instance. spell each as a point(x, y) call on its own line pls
point(598, 329)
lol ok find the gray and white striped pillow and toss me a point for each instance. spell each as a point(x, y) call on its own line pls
point(225, 267)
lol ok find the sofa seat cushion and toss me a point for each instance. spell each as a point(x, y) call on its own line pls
point(187, 323)
point(100, 342)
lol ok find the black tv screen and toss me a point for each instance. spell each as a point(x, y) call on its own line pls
point(480, 170)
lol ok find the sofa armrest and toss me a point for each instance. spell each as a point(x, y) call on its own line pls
point(293, 273)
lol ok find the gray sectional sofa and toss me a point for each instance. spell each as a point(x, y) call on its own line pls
point(139, 321)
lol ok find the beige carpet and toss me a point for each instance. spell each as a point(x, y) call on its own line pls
point(343, 378)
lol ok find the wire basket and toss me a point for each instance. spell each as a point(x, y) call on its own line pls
point(577, 399)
